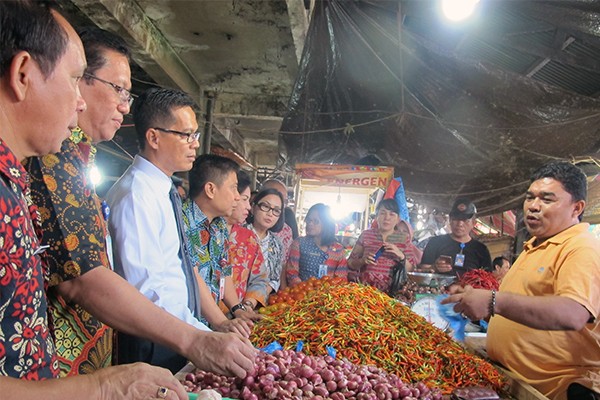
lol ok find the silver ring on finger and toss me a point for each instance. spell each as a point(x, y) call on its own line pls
point(162, 392)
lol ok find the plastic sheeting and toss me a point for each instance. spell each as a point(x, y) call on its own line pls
point(449, 126)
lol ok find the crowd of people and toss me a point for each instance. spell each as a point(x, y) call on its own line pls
point(183, 281)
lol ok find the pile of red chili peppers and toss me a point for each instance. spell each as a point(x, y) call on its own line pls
point(479, 279)
point(366, 326)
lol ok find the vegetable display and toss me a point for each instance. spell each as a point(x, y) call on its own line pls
point(407, 292)
point(292, 294)
point(367, 327)
point(479, 279)
point(288, 374)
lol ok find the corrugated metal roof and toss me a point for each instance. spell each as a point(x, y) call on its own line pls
point(521, 38)
point(577, 80)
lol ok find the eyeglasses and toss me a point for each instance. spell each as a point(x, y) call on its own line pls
point(190, 136)
point(124, 95)
point(264, 207)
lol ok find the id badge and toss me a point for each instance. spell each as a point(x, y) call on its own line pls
point(322, 271)
point(109, 250)
point(222, 287)
point(459, 261)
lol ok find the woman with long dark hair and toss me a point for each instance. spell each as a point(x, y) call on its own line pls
point(318, 253)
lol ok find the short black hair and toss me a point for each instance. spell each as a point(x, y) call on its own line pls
point(244, 180)
point(30, 26)
point(259, 196)
point(569, 175)
point(155, 107)
point(95, 42)
point(327, 223)
point(499, 261)
point(209, 168)
point(388, 204)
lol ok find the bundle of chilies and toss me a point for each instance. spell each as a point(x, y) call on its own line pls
point(367, 327)
point(479, 279)
point(287, 374)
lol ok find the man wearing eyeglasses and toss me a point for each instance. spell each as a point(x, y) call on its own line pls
point(41, 63)
point(148, 237)
point(72, 224)
point(83, 290)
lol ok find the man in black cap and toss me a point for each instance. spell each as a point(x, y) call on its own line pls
point(457, 253)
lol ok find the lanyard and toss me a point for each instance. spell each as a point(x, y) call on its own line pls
point(105, 210)
point(462, 246)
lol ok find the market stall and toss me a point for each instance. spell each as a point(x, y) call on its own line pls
point(350, 190)
point(319, 342)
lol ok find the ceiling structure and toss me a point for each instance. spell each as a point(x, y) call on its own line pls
point(243, 54)
point(246, 56)
point(457, 109)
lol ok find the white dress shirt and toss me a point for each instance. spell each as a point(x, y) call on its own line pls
point(146, 239)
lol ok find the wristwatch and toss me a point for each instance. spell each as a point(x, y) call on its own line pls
point(239, 306)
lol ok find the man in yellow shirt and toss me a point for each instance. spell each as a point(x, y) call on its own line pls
point(544, 323)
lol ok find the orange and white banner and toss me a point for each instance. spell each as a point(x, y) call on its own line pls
point(356, 176)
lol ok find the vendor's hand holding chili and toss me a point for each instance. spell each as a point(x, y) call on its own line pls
point(472, 303)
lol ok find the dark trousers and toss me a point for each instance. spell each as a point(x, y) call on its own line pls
point(130, 349)
point(580, 392)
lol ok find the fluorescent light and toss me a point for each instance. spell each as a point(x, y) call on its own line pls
point(458, 10)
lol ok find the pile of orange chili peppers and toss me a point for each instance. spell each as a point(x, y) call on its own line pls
point(366, 326)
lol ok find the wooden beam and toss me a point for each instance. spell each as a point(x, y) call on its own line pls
point(543, 52)
point(298, 24)
point(542, 62)
point(152, 51)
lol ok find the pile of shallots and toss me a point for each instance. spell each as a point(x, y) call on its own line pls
point(287, 374)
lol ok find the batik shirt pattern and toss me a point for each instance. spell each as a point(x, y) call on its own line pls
point(380, 274)
point(208, 247)
point(306, 259)
point(74, 228)
point(26, 345)
point(249, 271)
point(274, 254)
point(287, 237)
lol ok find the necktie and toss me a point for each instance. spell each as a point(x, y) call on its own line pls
point(186, 265)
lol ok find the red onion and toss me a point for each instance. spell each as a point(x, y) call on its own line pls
point(289, 375)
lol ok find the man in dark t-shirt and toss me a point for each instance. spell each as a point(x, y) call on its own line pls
point(457, 253)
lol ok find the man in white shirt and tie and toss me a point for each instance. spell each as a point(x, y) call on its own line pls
point(143, 225)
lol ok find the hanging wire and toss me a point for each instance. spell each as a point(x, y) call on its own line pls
point(122, 149)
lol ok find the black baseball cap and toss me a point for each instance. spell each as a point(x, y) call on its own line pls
point(463, 208)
